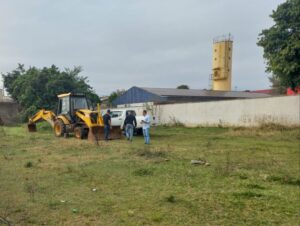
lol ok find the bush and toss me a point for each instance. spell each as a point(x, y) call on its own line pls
point(28, 164)
point(170, 198)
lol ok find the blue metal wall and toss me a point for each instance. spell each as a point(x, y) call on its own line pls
point(137, 95)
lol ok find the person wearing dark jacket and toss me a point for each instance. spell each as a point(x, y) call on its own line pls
point(130, 124)
point(107, 124)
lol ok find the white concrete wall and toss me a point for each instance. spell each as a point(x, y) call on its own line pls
point(247, 112)
point(1, 94)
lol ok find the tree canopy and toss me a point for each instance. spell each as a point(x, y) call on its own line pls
point(183, 87)
point(36, 88)
point(281, 44)
point(114, 95)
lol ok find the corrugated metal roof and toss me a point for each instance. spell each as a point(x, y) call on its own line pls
point(203, 93)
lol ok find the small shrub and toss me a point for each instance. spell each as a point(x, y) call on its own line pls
point(170, 198)
point(28, 164)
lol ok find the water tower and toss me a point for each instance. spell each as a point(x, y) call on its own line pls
point(222, 63)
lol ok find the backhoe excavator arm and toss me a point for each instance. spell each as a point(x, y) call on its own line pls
point(48, 116)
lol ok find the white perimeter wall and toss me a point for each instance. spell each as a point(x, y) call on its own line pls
point(247, 112)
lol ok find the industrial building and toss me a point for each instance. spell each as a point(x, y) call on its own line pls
point(167, 95)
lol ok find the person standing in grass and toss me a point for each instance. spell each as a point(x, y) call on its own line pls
point(107, 124)
point(146, 127)
point(130, 124)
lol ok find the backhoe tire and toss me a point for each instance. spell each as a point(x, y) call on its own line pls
point(79, 132)
point(59, 128)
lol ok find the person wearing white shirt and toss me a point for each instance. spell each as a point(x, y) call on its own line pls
point(146, 127)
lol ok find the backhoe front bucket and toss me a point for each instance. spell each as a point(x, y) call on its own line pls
point(96, 133)
point(115, 133)
point(31, 127)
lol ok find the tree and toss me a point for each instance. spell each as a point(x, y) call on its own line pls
point(277, 88)
point(281, 44)
point(114, 95)
point(183, 87)
point(36, 88)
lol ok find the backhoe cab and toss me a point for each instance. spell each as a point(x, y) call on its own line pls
point(74, 116)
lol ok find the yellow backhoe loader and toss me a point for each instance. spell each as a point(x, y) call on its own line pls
point(73, 116)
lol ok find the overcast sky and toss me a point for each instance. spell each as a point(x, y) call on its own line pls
point(125, 43)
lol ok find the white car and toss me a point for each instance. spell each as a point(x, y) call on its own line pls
point(118, 117)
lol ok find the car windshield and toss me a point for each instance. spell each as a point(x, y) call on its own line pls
point(79, 103)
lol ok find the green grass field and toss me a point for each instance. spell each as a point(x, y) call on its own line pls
point(252, 178)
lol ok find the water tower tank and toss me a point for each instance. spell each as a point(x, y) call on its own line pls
point(222, 63)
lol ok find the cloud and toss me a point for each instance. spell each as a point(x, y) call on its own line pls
point(135, 42)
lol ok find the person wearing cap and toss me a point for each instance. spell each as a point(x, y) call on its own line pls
point(107, 124)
